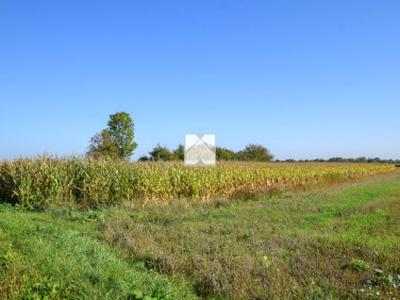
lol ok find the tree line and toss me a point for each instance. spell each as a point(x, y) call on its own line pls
point(116, 142)
point(251, 152)
point(346, 160)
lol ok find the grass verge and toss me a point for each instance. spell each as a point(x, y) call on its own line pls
point(58, 254)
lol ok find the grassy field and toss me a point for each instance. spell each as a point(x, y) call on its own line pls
point(332, 242)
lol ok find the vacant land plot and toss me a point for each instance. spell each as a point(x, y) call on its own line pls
point(337, 242)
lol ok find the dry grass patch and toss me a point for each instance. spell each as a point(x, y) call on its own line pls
point(267, 248)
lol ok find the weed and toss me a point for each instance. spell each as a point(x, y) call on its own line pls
point(357, 265)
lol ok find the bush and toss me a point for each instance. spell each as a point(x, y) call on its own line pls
point(160, 153)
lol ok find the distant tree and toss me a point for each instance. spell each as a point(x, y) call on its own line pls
point(178, 153)
point(353, 160)
point(102, 145)
point(336, 159)
point(224, 154)
point(318, 160)
point(144, 158)
point(361, 159)
point(160, 153)
point(240, 155)
point(121, 129)
point(254, 152)
point(374, 160)
point(290, 160)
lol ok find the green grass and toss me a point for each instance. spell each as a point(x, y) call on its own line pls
point(316, 245)
point(57, 254)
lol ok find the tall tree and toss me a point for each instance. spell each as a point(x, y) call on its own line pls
point(121, 129)
point(102, 145)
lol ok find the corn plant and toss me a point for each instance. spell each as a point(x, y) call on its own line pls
point(35, 182)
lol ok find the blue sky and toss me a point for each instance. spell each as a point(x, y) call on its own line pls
point(306, 79)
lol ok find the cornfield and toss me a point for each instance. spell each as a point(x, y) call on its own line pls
point(34, 182)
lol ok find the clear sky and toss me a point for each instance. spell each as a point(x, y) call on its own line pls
point(306, 79)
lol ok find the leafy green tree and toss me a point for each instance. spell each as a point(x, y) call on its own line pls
point(121, 129)
point(102, 146)
point(254, 152)
point(160, 153)
point(178, 153)
point(224, 154)
point(241, 156)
